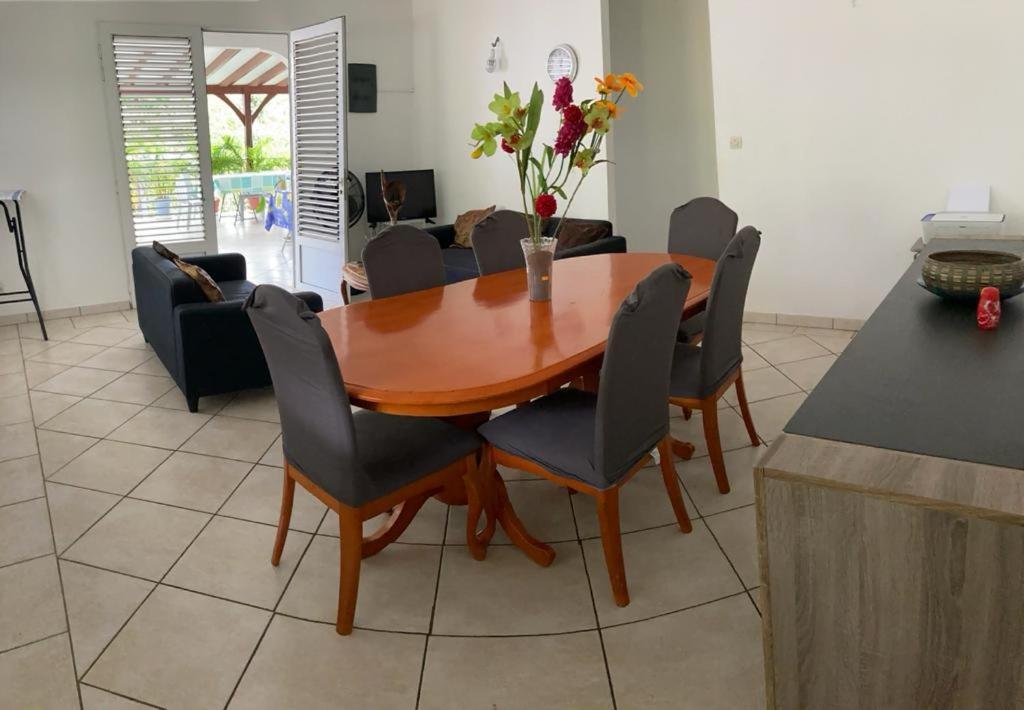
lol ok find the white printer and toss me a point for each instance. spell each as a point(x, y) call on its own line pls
point(967, 215)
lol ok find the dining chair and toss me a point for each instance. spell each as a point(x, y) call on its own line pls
point(702, 227)
point(594, 443)
point(702, 375)
point(496, 242)
point(402, 259)
point(359, 465)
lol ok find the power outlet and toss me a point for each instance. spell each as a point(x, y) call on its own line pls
point(736, 143)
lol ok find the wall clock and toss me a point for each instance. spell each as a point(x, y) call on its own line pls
point(562, 61)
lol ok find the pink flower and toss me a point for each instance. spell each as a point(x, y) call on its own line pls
point(572, 129)
point(545, 205)
point(563, 93)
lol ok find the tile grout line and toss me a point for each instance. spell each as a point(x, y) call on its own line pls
point(120, 695)
point(433, 605)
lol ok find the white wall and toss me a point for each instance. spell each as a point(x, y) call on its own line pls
point(452, 39)
point(664, 144)
point(855, 121)
point(55, 142)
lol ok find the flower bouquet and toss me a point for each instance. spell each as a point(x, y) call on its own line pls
point(545, 174)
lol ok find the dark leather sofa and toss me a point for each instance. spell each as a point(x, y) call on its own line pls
point(460, 264)
point(208, 348)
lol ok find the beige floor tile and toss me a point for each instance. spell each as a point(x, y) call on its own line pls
point(11, 346)
point(307, 665)
point(57, 449)
point(699, 480)
point(666, 571)
point(835, 343)
point(20, 479)
point(38, 372)
point(92, 417)
point(137, 389)
point(32, 347)
point(111, 466)
point(14, 384)
point(102, 335)
point(515, 673)
point(763, 384)
point(15, 409)
point(78, 381)
point(736, 531)
point(57, 329)
point(708, 657)
point(752, 361)
point(542, 506)
point(136, 341)
point(138, 538)
point(11, 363)
point(731, 431)
point(507, 594)
point(193, 481)
point(113, 319)
point(68, 353)
point(181, 650)
point(274, 455)
point(396, 587)
point(231, 559)
point(772, 415)
point(254, 404)
point(99, 602)
point(153, 366)
point(643, 503)
point(96, 699)
point(32, 606)
point(207, 405)
point(165, 428)
point(427, 528)
point(17, 441)
point(40, 676)
point(8, 332)
point(25, 531)
point(799, 347)
point(73, 510)
point(118, 359)
point(258, 498)
point(756, 333)
point(242, 439)
point(47, 405)
point(807, 373)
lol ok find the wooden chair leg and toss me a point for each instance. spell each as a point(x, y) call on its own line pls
point(351, 527)
point(668, 472)
point(611, 541)
point(475, 494)
point(687, 413)
point(741, 396)
point(287, 496)
point(709, 412)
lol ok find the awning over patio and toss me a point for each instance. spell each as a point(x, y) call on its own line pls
point(245, 72)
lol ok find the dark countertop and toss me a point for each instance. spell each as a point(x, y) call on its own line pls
point(921, 377)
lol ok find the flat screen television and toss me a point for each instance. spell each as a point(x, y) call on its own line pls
point(420, 200)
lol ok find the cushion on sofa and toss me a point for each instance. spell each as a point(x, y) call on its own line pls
point(464, 224)
point(576, 232)
point(211, 291)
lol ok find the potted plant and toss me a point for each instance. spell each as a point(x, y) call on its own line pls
point(544, 175)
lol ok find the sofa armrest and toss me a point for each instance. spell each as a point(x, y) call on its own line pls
point(314, 300)
point(217, 349)
point(221, 267)
point(608, 245)
point(443, 233)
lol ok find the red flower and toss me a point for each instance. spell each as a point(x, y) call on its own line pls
point(506, 147)
point(563, 93)
point(572, 129)
point(545, 205)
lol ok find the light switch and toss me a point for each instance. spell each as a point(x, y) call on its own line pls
point(736, 143)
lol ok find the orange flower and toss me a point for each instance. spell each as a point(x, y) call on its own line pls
point(630, 83)
point(609, 84)
point(613, 108)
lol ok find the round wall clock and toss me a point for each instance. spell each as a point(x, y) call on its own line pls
point(562, 61)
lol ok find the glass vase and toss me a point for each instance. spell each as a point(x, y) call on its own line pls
point(540, 259)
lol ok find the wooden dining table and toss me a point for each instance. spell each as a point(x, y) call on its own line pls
point(462, 350)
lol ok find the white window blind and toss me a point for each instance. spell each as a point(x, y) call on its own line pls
point(317, 137)
point(157, 100)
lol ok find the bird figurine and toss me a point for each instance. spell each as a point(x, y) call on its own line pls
point(394, 196)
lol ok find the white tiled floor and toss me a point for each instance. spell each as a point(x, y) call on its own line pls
point(135, 541)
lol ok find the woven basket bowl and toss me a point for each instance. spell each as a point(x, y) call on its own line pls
point(965, 273)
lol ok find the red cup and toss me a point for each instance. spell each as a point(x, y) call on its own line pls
point(989, 309)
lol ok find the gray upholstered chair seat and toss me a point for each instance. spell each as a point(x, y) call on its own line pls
point(692, 327)
point(686, 374)
point(394, 451)
point(556, 432)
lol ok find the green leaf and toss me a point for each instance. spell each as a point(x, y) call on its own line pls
point(560, 192)
point(536, 104)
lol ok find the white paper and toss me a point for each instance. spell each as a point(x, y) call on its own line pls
point(968, 198)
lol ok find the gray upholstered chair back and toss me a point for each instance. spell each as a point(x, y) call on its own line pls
point(632, 416)
point(496, 242)
point(702, 227)
point(402, 259)
point(318, 432)
point(721, 346)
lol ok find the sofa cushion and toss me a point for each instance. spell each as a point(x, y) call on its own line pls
point(206, 284)
point(577, 232)
point(465, 222)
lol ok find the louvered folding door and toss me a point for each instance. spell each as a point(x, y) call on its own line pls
point(318, 153)
point(156, 83)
